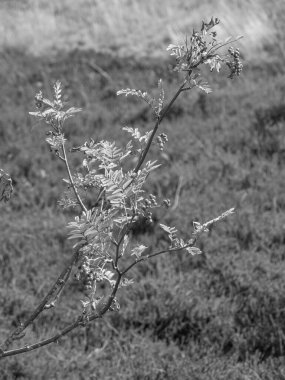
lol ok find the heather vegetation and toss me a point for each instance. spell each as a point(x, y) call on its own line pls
point(215, 315)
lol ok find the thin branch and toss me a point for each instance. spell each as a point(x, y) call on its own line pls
point(117, 255)
point(80, 321)
point(202, 227)
point(83, 319)
point(106, 306)
point(156, 254)
point(126, 230)
point(71, 180)
point(60, 157)
point(99, 197)
point(42, 343)
point(111, 298)
point(60, 290)
point(59, 283)
point(222, 44)
point(159, 120)
point(187, 88)
point(100, 71)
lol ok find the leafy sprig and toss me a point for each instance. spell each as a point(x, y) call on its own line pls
point(155, 104)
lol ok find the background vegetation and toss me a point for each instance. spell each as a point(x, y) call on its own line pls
point(219, 315)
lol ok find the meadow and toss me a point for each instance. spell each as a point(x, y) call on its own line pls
point(218, 315)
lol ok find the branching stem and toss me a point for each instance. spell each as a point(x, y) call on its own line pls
point(156, 254)
point(71, 180)
point(159, 120)
point(80, 321)
point(57, 286)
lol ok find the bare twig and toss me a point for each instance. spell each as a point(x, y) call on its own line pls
point(57, 286)
point(59, 290)
point(144, 258)
point(100, 71)
point(42, 343)
point(82, 320)
point(71, 180)
point(159, 120)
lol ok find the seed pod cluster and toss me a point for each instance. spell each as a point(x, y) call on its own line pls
point(161, 140)
point(234, 65)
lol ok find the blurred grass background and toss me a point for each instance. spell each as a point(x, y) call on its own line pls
point(127, 27)
point(216, 316)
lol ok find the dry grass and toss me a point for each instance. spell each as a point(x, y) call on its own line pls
point(126, 27)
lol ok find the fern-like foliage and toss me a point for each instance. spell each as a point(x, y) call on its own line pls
point(155, 104)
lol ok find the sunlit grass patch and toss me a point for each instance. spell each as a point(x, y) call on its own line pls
point(126, 27)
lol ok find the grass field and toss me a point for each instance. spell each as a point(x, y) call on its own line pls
point(125, 27)
point(219, 315)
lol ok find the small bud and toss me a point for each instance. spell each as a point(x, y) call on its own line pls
point(39, 100)
point(166, 203)
point(231, 50)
